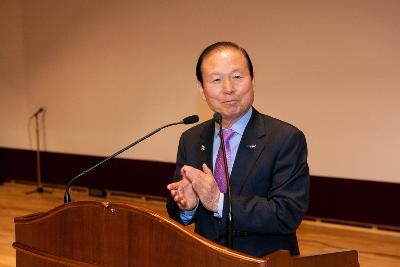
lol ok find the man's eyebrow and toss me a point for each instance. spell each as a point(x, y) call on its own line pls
point(219, 73)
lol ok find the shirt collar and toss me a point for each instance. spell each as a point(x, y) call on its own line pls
point(240, 125)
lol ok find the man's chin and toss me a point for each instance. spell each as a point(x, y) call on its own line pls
point(231, 115)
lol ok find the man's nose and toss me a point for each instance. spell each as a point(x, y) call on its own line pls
point(227, 86)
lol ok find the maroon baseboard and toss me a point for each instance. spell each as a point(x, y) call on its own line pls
point(362, 201)
point(137, 176)
point(337, 199)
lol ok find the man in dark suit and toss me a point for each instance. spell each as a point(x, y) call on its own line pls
point(267, 161)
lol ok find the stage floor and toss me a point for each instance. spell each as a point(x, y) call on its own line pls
point(375, 247)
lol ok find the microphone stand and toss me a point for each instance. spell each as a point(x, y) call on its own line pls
point(39, 188)
point(228, 189)
point(187, 120)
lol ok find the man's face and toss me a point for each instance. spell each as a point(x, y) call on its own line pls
point(227, 85)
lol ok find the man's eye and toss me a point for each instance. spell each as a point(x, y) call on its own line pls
point(237, 77)
point(216, 80)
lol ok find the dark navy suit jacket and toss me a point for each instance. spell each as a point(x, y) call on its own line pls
point(269, 185)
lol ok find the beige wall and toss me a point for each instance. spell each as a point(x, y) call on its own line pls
point(108, 72)
point(13, 92)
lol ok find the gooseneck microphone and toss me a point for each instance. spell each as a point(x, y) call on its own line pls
point(218, 119)
point(187, 120)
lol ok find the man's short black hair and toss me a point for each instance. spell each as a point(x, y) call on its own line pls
point(217, 46)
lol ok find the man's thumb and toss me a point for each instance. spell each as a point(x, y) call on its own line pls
point(206, 169)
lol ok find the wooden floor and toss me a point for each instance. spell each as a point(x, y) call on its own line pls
point(375, 247)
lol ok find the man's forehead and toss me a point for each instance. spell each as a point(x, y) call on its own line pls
point(225, 55)
point(224, 52)
point(234, 59)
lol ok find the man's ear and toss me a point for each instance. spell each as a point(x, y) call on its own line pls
point(201, 90)
point(253, 81)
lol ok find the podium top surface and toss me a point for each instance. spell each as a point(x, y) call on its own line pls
point(92, 233)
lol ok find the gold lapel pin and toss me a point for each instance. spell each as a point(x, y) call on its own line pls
point(202, 148)
point(252, 146)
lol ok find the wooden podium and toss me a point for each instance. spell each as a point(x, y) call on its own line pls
point(90, 233)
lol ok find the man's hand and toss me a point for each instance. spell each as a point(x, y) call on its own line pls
point(204, 185)
point(182, 193)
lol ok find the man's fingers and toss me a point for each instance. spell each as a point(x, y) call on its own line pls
point(184, 170)
point(173, 186)
point(183, 174)
point(181, 202)
point(190, 173)
point(176, 185)
point(177, 195)
point(206, 170)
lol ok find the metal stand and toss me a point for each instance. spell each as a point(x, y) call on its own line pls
point(39, 188)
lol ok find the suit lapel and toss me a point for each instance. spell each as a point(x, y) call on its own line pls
point(206, 144)
point(250, 148)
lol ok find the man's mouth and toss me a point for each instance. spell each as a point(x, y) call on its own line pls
point(230, 101)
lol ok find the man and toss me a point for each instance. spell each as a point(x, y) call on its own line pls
point(267, 161)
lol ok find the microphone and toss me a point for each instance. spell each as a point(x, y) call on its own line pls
point(187, 120)
point(190, 119)
point(40, 110)
point(218, 119)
